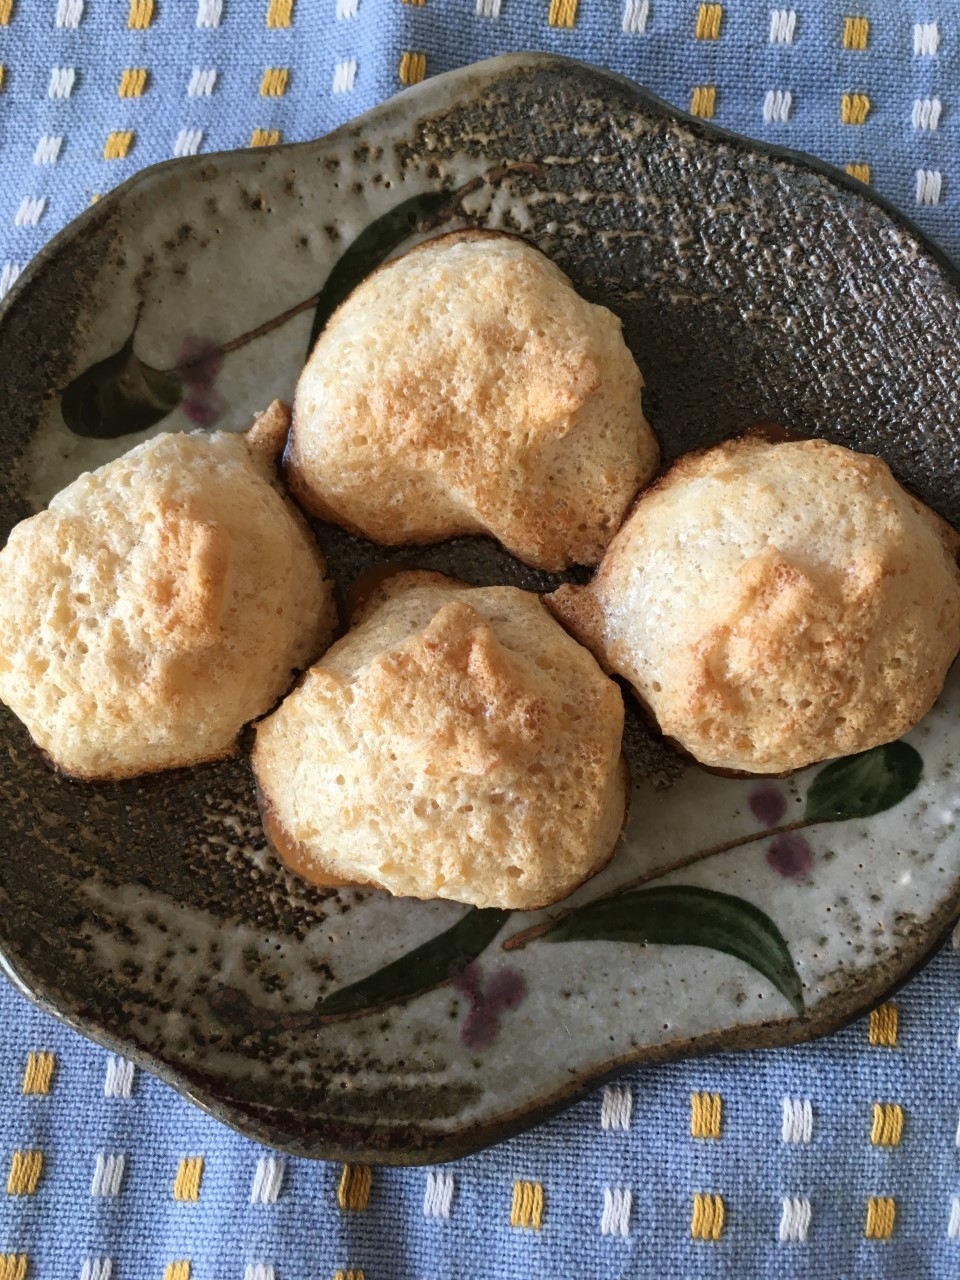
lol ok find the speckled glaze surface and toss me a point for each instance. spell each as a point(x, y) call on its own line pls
point(752, 285)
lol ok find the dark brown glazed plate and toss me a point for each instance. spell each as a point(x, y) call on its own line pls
point(753, 284)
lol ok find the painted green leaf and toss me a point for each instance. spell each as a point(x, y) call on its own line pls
point(862, 785)
point(118, 396)
point(419, 970)
point(682, 914)
point(375, 243)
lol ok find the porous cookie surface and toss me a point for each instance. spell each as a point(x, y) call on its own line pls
point(159, 604)
point(456, 743)
point(467, 388)
point(776, 604)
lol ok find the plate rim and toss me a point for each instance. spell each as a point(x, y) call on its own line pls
point(406, 1144)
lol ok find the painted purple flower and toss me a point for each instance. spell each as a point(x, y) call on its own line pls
point(198, 363)
point(790, 855)
point(505, 991)
point(768, 804)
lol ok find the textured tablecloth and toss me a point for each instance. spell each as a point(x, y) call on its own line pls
point(838, 1159)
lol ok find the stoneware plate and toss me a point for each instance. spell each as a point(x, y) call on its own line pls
point(752, 285)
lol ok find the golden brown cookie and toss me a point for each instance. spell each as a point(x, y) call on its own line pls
point(160, 603)
point(467, 388)
point(456, 743)
point(776, 604)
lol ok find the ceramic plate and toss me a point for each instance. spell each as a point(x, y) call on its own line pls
point(752, 285)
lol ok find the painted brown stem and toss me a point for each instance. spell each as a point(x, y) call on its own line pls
point(252, 334)
point(517, 941)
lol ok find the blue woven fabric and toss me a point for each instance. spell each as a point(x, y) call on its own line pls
point(618, 1198)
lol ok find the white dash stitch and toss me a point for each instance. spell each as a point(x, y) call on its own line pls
point(69, 13)
point(488, 8)
point(438, 1197)
point(783, 23)
point(96, 1269)
point(259, 1271)
point(118, 1082)
point(797, 1120)
point(347, 9)
point(926, 39)
point(188, 142)
point(48, 149)
point(636, 14)
point(7, 277)
point(929, 185)
point(107, 1174)
point(61, 82)
point(953, 1226)
point(267, 1181)
point(209, 13)
point(344, 74)
point(202, 82)
point(30, 211)
point(617, 1203)
point(926, 113)
point(616, 1107)
point(776, 106)
point(795, 1222)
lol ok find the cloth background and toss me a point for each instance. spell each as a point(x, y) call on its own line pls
point(104, 1168)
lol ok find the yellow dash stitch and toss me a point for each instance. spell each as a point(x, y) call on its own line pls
point(707, 1220)
point(708, 21)
point(13, 1266)
point(39, 1072)
point(419, 3)
point(703, 100)
point(413, 67)
point(856, 32)
point(179, 1270)
point(881, 1215)
point(25, 1168)
point(885, 1021)
point(132, 82)
point(887, 1127)
point(118, 144)
point(264, 137)
point(706, 1114)
point(862, 174)
point(526, 1212)
point(141, 15)
point(3, 72)
point(274, 82)
point(95, 197)
point(354, 1273)
point(563, 13)
point(355, 1183)
point(6, 13)
point(280, 13)
point(187, 1184)
point(854, 108)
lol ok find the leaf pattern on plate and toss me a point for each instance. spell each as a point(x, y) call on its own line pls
point(119, 395)
point(675, 915)
point(427, 966)
point(860, 786)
